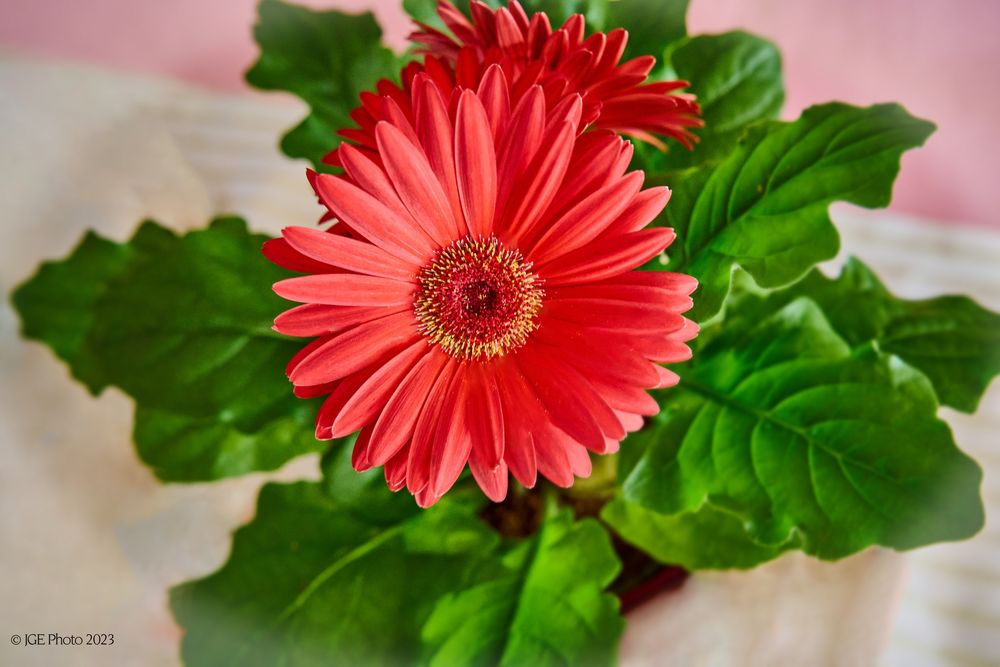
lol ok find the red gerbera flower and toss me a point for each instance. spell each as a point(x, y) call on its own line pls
point(480, 304)
point(564, 61)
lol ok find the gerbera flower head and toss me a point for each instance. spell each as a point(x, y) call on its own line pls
point(565, 61)
point(477, 302)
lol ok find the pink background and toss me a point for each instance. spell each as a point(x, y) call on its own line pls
point(940, 59)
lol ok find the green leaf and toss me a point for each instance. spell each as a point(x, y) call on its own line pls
point(187, 328)
point(707, 538)
point(595, 11)
point(764, 208)
point(801, 437)
point(737, 79)
point(181, 448)
point(543, 604)
point(325, 58)
point(57, 304)
point(183, 325)
point(650, 29)
point(424, 11)
point(953, 340)
point(315, 581)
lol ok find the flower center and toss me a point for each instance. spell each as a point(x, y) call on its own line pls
point(478, 299)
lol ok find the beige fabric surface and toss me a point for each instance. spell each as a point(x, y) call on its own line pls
point(90, 542)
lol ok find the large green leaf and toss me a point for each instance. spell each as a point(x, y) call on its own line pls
point(320, 580)
point(764, 207)
point(652, 27)
point(346, 572)
point(804, 439)
point(325, 58)
point(181, 448)
point(544, 604)
point(57, 304)
point(183, 325)
point(953, 340)
point(707, 538)
point(737, 79)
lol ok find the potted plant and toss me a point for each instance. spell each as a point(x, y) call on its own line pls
point(561, 320)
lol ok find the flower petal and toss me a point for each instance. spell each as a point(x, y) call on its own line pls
point(436, 133)
point(605, 258)
point(374, 220)
point(454, 442)
point(365, 169)
point(354, 349)
point(317, 319)
point(475, 164)
point(416, 184)
point(418, 468)
point(368, 401)
point(553, 376)
point(616, 315)
point(520, 142)
point(538, 183)
point(585, 221)
point(347, 253)
point(394, 427)
point(493, 92)
point(521, 412)
point(565, 409)
point(346, 289)
point(395, 471)
point(285, 256)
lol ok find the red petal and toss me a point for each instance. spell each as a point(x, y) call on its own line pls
point(476, 166)
point(620, 316)
point(657, 297)
point(395, 471)
point(395, 425)
point(453, 442)
point(579, 460)
point(374, 220)
point(539, 182)
point(346, 289)
point(509, 34)
point(611, 356)
point(565, 408)
point(493, 91)
point(308, 349)
point(370, 398)
point(520, 142)
point(486, 418)
point(585, 221)
point(418, 471)
point(667, 378)
point(354, 349)
point(282, 254)
point(491, 479)
point(593, 165)
point(606, 257)
point(368, 173)
point(551, 448)
point(347, 253)
point(315, 319)
point(646, 206)
point(416, 184)
point(522, 413)
point(437, 137)
point(359, 458)
point(568, 392)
